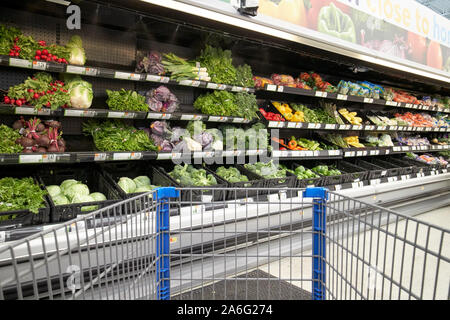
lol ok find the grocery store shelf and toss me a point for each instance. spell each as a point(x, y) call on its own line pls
point(343, 97)
point(348, 127)
point(114, 74)
point(98, 156)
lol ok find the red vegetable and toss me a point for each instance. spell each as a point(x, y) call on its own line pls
point(38, 52)
point(19, 103)
point(45, 51)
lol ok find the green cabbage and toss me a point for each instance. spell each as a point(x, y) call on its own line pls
point(76, 189)
point(60, 199)
point(79, 198)
point(77, 54)
point(81, 93)
point(97, 196)
point(53, 190)
point(67, 183)
point(142, 181)
point(127, 184)
point(143, 189)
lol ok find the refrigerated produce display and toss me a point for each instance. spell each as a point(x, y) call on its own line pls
point(138, 98)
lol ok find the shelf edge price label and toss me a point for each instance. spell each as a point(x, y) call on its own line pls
point(271, 87)
point(239, 120)
point(292, 124)
point(100, 157)
point(127, 76)
point(37, 158)
point(82, 70)
point(408, 105)
point(374, 152)
point(127, 155)
point(375, 182)
point(32, 111)
point(79, 113)
point(122, 115)
point(342, 97)
point(39, 65)
point(391, 103)
point(164, 156)
point(152, 115)
point(368, 100)
point(22, 63)
point(280, 88)
point(155, 78)
point(217, 119)
point(322, 94)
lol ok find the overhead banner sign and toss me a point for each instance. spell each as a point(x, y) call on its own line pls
point(401, 29)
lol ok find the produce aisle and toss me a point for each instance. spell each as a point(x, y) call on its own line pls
point(94, 116)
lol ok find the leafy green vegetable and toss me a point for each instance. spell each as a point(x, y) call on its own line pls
point(7, 36)
point(189, 176)
point(244, 76)
point(267, 170)
point(117, 136)
point(181, 69)
point(8, 140)
point(21, 194)
point(81, 93)
point(231, 174)
point(126, 100)
point(326, 171)
point(76, 51)
point(127, 184)
point(219, 65)
point(223, 103)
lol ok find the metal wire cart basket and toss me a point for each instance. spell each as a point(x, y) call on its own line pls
point(290, 244)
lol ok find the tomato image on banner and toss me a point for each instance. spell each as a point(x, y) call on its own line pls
point(417, 47)
point(292, 11)
point(434, 55)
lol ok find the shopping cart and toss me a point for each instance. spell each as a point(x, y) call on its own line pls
point(179, 244)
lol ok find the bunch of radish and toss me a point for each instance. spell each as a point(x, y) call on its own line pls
point(44, 55)
point(15, 50)
point(38, 136)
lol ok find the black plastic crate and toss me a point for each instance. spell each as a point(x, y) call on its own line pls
point(404, 167)
point(23, 218)
point(392, 169)
point(255, 181)
point(274, 185)
point(115, 170)
point(353, 173)
point(332, 180)
point(303, 183)
point(216, 193)
point(375, 172)
point(420, 167)
point(88, 175)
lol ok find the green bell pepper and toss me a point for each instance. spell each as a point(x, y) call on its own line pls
point(334, 22)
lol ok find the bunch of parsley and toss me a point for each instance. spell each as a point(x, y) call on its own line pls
point(20, 194)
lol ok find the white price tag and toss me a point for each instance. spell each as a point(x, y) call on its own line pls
point(152, 115)
point(121, 115)
point(406, 148)
point(334, 152)
point(383, 173)
point(37, 158)
point(408, 105)
point(127, 76)
point(21, 63)
point(207, 198)
point(311, 125)
point(392, 179)
point(391, 103)
point(280, 89)
point(100, 157)
point(350, 153)
point(357, 185)
point(394, 128)
point(127, 156)
point(342, 127)
point(217, 119)
point(33, 111)
point(211, 85)
point(370, 127)
point(164, 156)
point(2, 236)
point(191, 83)
point(299, 125)
point(330, 126)
point(156, 78)
point(427, 129)
point(273, 124)
point(39, 65)
point(292, 124)
point(308, 153)
point(191, 117)
point(273, 197)
point(337, 187)
point(239, 120)
point(359, 153)
point(374, 152)
point(368, 100)
point(322, 94)
point(342, 97)
point(433, 173)
point(375, 182)
point(296, 153)
point(282, 195)
point(79, 113)
point(82, 70)
point(271, 87)
point(357, 127)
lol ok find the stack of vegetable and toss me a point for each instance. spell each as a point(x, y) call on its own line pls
point(354, 141)
point(331, 111)
point(363, 89)
point(286, 111)
point(39, 136)
point(149, 62)
point(20, 194)
point(224, 103)
point(80, 92)
point(188, 176)
point(8, 142)
point(409, 140)
point(136, 185)
point(231, 174)
point(428, 159)
point(303, 144)
point(267, 170)
point(309, 114)
point(117, 136)
point(379, 140)
point(39, 90)
point(126, 100)
point(161, 100)
point(271, 116)
point(302, 173)
point(315, 81)
point(16, 44)
point(73, 191)
point(351, 117)
point(261, 82)
point(181, 69)
point(326, 171)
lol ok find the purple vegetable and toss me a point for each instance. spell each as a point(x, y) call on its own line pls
point(161, 93)
point(205, 138)
point(154, 57)
point(160, 128)
point(158, 140)
point(162, 100)
point(166, 146)
point(150, 63)
point(178, 133)
point(154, 104)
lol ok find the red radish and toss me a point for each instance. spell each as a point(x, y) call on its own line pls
point(48, 104)
point(42, 93)
point(50, 55)
point(38, 52)
point(36, 96)
point(30, 90)
point(6, 99)
point(13, 101)
point(45, 51)
point(43, 57)
point(19, 103)
point(59, 60)
point(16, 54)
point(55, 58)
point(48, 59)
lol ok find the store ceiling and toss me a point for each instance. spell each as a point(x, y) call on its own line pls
point(440, 6)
